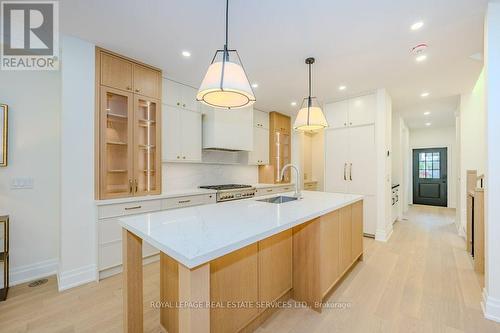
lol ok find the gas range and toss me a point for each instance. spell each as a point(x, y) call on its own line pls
point(228, 192)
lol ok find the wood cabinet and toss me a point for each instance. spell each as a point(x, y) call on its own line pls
point(234, 280)
point(352, 112)
point(260, 152)
point(329, 252)
point(182, 138)
point(279, 149)
point(128, 143)
point(275, 266)
point(345, 218)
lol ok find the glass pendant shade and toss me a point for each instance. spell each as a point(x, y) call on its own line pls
point(310, 116)
point(225, 84)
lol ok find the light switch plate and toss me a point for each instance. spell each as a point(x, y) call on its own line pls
point(21, 183)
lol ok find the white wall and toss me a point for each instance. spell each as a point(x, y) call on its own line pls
point(472, 139)
point(33, 152)
point(491, 303)
point(439, 138)
point(78, 257)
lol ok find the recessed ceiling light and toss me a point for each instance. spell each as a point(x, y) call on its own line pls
point(255, 85)
point(293, 104)
point(424, 94)
point(428, 124)
point(342, 88)
point(186, 54)
point(426, 113)
point(421, 58)
point(417, 25)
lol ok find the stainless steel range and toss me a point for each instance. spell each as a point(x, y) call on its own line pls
point(230, 192)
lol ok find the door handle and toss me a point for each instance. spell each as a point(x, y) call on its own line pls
point(350, 171)
point(345, 167)
point(130, 185)
point(136, 185)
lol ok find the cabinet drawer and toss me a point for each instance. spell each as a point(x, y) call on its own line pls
point(129, 208)
point(311, 186)
point(110, 254)
point(265, 191)
point(188, 201)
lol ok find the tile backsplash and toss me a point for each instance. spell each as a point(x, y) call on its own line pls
point(182, 176)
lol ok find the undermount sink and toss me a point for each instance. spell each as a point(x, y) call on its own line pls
point(279, 199)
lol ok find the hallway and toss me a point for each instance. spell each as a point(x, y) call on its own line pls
point(420, 281)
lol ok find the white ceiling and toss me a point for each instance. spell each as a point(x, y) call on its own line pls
point(359, 43)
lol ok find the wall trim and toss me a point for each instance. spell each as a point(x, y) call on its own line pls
point(491, 307)
point(382, 235)
point(26, 273)
point(76, 277)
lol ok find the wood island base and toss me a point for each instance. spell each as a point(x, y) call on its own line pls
point(240, 290)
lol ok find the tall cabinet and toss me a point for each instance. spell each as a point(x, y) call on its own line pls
point(279, 150)
point(128, 127)
point(350, 153)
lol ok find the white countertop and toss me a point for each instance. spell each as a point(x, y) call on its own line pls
point(165, 195)
point(197, 235)
point(271, 185)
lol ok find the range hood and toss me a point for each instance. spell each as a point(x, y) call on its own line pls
point(228, 130)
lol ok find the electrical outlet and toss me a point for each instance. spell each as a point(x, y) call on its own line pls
point(21, 183)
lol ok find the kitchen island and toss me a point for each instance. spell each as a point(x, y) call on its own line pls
point(225, 267)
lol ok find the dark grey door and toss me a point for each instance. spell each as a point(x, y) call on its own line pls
point(430, 179)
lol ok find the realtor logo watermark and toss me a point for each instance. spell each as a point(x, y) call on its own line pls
point(29, 35)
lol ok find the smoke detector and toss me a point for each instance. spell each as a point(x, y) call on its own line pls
point(419, 49)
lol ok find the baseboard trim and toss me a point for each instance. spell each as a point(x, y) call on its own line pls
point(383, 235)
point(32, 272)
point(76, 277)
point(491, 307)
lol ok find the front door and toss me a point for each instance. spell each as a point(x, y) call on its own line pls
point(430, 177)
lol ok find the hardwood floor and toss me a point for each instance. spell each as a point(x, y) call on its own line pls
point(422, 280)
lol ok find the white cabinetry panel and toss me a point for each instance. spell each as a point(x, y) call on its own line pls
point(337, 114)
point(336, 160)
point(260, 153)
point(260, 119)
point(181, 135)
point(362, 154)
point(362, 110)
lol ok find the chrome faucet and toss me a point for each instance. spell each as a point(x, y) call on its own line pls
point(297, 193)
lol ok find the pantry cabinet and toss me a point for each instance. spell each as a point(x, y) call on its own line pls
point(352, 112)
point(182, 139)
point(128, 150)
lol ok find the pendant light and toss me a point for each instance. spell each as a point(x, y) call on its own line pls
point(226, 84)
point(310, 116)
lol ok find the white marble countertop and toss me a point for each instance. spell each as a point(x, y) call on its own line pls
point(165, 195)
point(271, 185)
point(197, 235)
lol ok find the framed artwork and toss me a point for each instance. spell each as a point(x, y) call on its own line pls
point(4, 110)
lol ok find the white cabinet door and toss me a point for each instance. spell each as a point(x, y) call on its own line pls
point(362, 110)
point(172, 93)
point(370, 215)
point(260, 119)
point(336, 114)
point(260, 153)
point(189, 98)
point(336, 159)
point(361, 172)
point(190, 135)
point(171, 133)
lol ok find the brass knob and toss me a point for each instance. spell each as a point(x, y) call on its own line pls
point(183, 157)
point(128, 88)
point(137, 90)
point(178, 157)
point(183, 105)
point(178, 103)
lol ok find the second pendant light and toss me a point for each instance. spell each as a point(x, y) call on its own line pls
point(310, 116)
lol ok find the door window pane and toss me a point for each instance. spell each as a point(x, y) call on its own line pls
point(429, 166)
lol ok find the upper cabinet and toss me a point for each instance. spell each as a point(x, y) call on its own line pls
point(179, 95)
point(128, 128)
point(124, 74)
point(260, 152)
point(182, 138)
point(353, 112)
point(279, 150)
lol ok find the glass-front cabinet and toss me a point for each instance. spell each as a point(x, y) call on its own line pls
point(130, 140)
point(129, 127)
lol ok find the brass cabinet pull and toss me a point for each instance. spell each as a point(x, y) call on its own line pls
point(136, 185)
point(345, 166)
point(131, 208)
point(137, 90)
point(128, 88)
point(178, 157)
point(269, 190)
point(130, 185)
point(183, 157)
point(184, 201)
point(178, 103)
point(350, 171)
